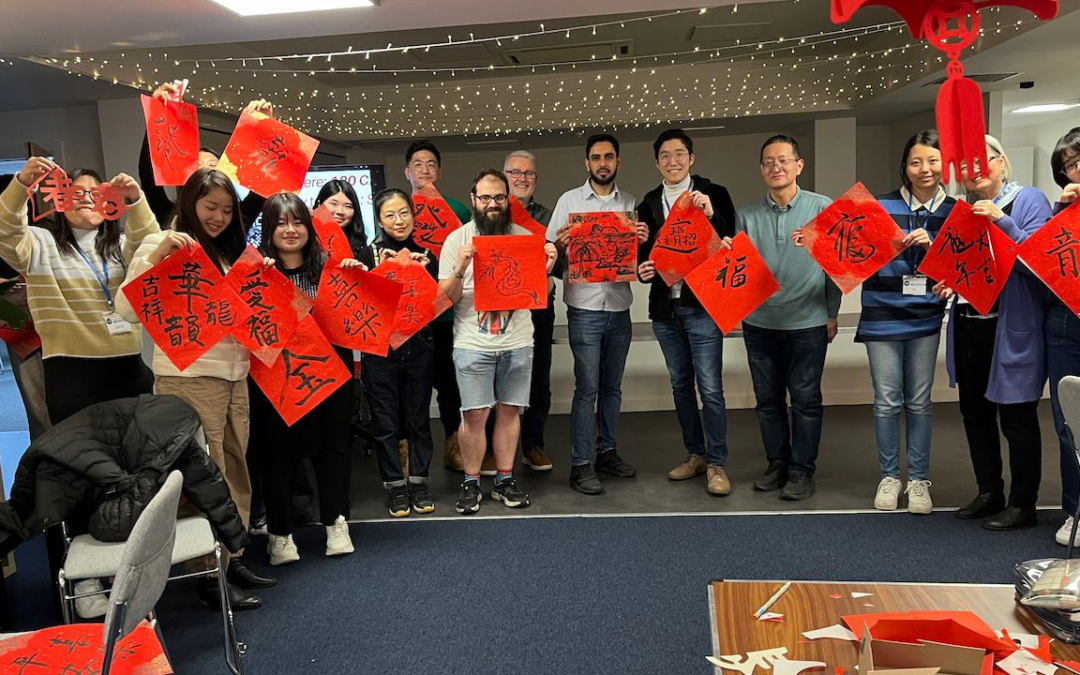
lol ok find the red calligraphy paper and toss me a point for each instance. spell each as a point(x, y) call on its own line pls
point(267, 156)
point(1051, 253)
point(78, 648)
point(960, 628)
point(185, 305)
point(686, 240)
point(853, 238)
point(732, 283)
point(509, 272)
point(519, 215)
point(304, 374)
point(276, 305)
point(23, 340)
point(332, 237)
point(356, 309)
point(602, 247)
point(434, 221)
point(972, 257)
point(172, 131)
point(421, 297)
point(56, 189)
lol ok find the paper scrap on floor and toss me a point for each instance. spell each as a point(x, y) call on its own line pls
point(836, 632)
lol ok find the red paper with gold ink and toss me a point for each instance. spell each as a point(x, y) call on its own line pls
point(972, 257)
point(602, 247)
point(421, 297)
point(732, 283)
point(276, 305)
point(356, 309)
point(78, 648)
point(267, 156)
point(509, 272)
point(172, 130)
point(853, 238)
point(185, 305)
point(434, 221)
point(685, 240)
point(332, 237)
point(304, 374)
point(1051, 253)
point(519, 215)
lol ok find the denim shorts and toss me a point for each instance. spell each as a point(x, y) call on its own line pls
point(485, 378)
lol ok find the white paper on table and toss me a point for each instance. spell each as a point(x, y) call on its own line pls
point(746, 664)
point(858, 595)
point(1023, 662)
point(836, 632)
point(770, 615)
point(1025, 640)
point(786, 667)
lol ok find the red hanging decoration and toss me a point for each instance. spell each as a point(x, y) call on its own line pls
point(950, 26)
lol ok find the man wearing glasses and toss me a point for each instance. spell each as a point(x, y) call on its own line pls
point(492, 350)
point(787, 336)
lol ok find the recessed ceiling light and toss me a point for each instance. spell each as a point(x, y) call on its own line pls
point(1047, 107)
point(262, 7)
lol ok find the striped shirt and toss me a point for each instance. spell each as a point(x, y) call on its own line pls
point(888, 314)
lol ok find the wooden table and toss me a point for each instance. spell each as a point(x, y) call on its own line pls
point(807, 606)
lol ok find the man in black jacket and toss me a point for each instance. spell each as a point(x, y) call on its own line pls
point(691, 342)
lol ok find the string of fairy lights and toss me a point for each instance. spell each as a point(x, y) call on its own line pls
point(325, 93)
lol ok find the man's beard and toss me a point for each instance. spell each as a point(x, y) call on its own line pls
point(492, 223)
point(604, 181)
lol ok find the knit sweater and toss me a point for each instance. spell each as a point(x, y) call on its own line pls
point(66, 300)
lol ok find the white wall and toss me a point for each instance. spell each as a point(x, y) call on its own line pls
point(71, 134)
point(1041, 139)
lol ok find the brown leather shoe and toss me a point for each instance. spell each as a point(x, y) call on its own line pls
point(693, 466)
point(719, 483)
point(452, 454)
point(488, 468)
point(403, 453)
point(536, 459)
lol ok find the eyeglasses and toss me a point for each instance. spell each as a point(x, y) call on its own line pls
point(770, 164)
point(1071, 167)
point(419, 166)
point(402, 215)
point(517, 173)
point(679, 156)
point(486, 199)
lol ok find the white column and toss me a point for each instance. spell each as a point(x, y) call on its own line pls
point(834, 156)
point(994, 103)
point(122, 129)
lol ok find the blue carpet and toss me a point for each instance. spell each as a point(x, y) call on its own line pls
point(563, 595)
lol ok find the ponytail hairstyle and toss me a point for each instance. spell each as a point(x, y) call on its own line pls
point(107, 242)
point(224, 249)
point(277, 209)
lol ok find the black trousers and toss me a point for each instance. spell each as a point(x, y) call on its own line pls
point(445, 381)
point(974, 350)
point(72, 383)
point(279, 479)
point(535, 416)
point(399, 389)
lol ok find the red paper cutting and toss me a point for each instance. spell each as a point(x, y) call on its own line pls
point(56, 189)
point(964, 629)
point(972, 256)
point(853, 238)
point(276, 305)
point(509, 272)
point(172, 131)
point(109, 201)
point(267, 156)
point(733, 283)
point(332, 238)
point(78, 649)
point(421, 297)
point(434, 221)
point(356, 309)
point(519, 215)
point(1051, 253)
point(305, 373)
point(602, 247)
point(185, 305)
point(685, 240)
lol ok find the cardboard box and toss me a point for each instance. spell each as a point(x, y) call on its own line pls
point(885, 657)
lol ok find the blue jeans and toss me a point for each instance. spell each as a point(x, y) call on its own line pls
point(788, 363)
point(694, 350)
point(903, 375)
point(600, 342)
point(1063, 358)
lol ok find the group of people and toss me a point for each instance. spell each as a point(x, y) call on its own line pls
point(491, 370)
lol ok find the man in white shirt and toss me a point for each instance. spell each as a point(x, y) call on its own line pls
point(599, 321)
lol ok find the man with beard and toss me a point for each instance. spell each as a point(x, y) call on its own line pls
point(599, 321)
point(492, 350)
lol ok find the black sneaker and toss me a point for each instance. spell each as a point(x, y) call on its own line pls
point(773, 479)
point(585, 481)
point(469, 500)
point(398, 501)
point(799, 486)
point(421, 498)
point(508, 492)
point(610, 462)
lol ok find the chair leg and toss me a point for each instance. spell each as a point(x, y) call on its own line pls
point(66, 605)
point(113, 630)
point(232, 643)
point(160, 637)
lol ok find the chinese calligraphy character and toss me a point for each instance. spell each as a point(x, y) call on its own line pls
point(165, 139)
point(344, 293)
point(272, 150)
point(680, 238)
point(363, 321)
point(847, 243)
point(190, 283)
point(737, 278)
point(1065, 250)
point(262, 329)
point(220, 312)
point(296, 366)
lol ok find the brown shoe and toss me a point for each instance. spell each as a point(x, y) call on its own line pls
point(488, 467)
point(536, 459)
point(403, 453)
point(719, 484)
point(452, 454)
point(693, 466)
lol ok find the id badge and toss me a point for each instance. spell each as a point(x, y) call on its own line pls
point(914, 284)
point(116, 323)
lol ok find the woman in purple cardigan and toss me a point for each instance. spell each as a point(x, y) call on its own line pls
point(998, 361)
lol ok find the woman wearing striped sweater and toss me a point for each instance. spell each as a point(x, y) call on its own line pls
point(73, 274)
point(901, 327)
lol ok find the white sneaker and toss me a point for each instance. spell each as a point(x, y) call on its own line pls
point(282, 550)
point(1062, 536)
point(338, 541)
point(92, 606)
point(888, 494)
point(918, 497)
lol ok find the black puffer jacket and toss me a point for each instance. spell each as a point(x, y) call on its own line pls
point(107, 461)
